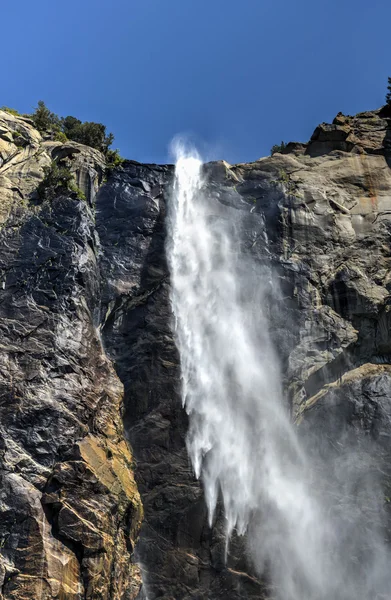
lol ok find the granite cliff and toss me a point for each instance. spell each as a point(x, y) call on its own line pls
point(95, 479)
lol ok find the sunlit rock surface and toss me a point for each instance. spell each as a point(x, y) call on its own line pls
point(89, 369)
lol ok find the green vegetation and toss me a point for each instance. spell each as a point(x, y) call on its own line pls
point(277, 148)
point(11, 111)
point(113, 159)
point(70, 128)
point(289, 185)
point(45, 120)
point(70, 125)
point(88, 133)
point(284, 177)
point(67, 128)
point(388, 96)
point(59, 136)
point(58, 180)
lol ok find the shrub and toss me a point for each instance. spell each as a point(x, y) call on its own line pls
point(58, 180)
point(59, 136)
point(388, 95)
point(113, 159)
point(278, 148)
point(11, 111)
point(73, 188)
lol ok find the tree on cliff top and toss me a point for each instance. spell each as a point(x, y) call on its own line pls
point(278, 148)
point(388, 96)
point(45, 120)
point(88, 133)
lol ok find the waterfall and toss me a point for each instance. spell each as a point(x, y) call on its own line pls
point(241, 440)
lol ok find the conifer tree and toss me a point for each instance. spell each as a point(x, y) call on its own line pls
point(388, 96)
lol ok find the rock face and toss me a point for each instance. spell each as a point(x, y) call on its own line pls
point(70, 509)
point(88, 364)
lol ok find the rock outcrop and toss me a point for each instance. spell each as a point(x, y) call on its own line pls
point(88, 364)
point(70, 509)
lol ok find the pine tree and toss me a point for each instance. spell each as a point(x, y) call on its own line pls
point(278, 148)
point(44, 120)
point(388, 96)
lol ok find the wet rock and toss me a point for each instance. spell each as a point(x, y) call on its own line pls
point(88, 364)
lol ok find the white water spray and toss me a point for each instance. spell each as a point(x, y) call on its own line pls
point(241, 440)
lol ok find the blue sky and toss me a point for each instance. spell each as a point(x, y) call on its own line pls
point(236, 77)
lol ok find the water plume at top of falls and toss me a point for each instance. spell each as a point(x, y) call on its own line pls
point(241, 440)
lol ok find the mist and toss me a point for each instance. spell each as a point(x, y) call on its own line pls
point(311, 507)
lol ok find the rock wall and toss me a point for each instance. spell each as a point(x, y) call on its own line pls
point(70, 508)
point(86, 352)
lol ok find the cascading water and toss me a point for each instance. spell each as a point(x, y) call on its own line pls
point(241, 440)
